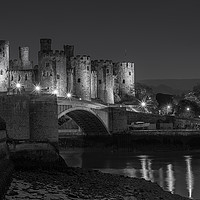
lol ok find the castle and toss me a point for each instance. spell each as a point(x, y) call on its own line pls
point(62, 72)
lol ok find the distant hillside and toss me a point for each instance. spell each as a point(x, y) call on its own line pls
point(171, 86)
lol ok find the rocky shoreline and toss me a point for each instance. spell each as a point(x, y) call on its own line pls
point(78, 183)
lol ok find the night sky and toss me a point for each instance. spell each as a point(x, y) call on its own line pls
point(162, 37)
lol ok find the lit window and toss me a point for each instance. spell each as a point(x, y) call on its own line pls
point(123, 81)
point(79, 80)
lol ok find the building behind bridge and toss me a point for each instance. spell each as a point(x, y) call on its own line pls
point(61, 72)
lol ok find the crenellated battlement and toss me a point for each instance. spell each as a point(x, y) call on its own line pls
point(126, 64)
point(102, 62)
point(51, 53)
point(4, 42)
point(81, 57)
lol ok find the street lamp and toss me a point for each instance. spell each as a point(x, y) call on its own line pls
point(168, 108)
point(37, 88)
point(188, 108)
point(69, 95)
point(55, 92)
point(143, 104)
point(18, 86)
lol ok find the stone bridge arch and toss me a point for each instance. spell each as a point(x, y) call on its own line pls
point(86, 119)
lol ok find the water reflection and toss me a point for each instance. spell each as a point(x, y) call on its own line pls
point(189, 175)
point(173, 173)
point(144, 170)
point(170, 178)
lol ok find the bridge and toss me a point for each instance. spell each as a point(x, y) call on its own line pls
point(36, 117)
point(92, 117)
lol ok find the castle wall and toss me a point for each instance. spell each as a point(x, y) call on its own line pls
point(4, 65)
point(125, 78)
point(24, 77)
point(82, 76)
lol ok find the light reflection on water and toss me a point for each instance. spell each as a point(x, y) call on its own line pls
point(173, 173)
point(189, 175)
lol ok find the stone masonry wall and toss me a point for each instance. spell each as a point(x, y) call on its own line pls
point(44, 118)
point(125, 78)
point(14, 109)
point(105, 80)
point(24, 77)
point(4, 65)
point(117, 120)
point(82, 76)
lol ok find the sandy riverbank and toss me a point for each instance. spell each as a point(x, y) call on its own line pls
point(77, 183)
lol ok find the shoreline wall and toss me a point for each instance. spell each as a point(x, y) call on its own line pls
point(6, 165)
point(137, 141)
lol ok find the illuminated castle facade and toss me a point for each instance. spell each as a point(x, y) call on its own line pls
point(61, 72)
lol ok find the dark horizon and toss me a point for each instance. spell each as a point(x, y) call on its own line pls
point(161, 38)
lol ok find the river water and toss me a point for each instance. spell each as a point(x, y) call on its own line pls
point(176, 172)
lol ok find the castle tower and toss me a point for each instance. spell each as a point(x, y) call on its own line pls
point(69, 53)
point(125, 78)
point(21, 71)
point(105, 81)
point(4, 65)
point(61, 73)
point(45, 45)
point(24, 58)
point(82, 76)
point(24, 55)
point(94, 65)
point(51, 69)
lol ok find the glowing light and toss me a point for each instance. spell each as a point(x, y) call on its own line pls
point(168, 106)
point(80, 99)
point(170, 178)
point(188, 109)
point(143, 104)
point(69, 95)
point(55, 92)
point(189, 176)
point(18, 85)
point(37, 88)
